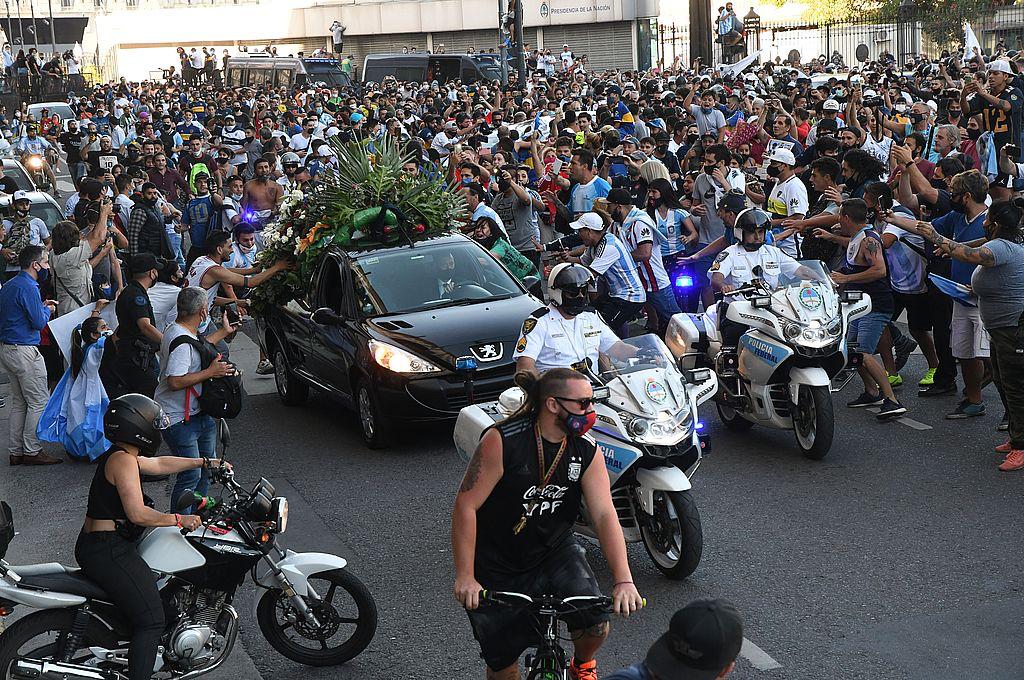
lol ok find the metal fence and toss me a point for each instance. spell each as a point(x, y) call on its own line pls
point(911, 32)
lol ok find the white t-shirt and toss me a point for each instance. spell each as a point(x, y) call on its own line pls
point(567, 59)
point(196, 59)
point(182, 361)
point(786, 199)
point(879, 148)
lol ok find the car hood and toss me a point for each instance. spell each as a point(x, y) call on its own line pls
point(486, 331)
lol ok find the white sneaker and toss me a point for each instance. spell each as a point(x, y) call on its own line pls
point(265, 368)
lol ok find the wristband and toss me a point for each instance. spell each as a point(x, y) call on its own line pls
point(177, 520)
point(622, 583)
point(245, 282)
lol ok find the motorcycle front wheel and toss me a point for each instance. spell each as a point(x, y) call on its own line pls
point(39, 636)
point(347, 616)
point(673, 537)
point(814, 421)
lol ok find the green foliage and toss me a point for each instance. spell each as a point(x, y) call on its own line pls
point(941, 20)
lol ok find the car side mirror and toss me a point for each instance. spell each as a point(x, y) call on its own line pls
point(325, 316)
point(530, 281)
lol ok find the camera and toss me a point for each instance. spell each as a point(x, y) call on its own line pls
point(1012, 151)
point(565, 243)
point(873, 102)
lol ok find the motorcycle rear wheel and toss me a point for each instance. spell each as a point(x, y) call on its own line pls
point(20, 638)
point(674, 537)
point(275, 614)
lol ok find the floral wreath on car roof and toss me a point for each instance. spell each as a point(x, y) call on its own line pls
point(368, 201)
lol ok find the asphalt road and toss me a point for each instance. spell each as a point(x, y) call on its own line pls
point(895, 557)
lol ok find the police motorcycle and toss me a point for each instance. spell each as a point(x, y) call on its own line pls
point(649, 433)
point(780, 373)
point(312, 610)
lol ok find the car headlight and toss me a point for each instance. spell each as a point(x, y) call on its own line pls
point(281, 513)
point(398, 360)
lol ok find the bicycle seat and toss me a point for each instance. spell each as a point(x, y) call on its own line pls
point(71, 581)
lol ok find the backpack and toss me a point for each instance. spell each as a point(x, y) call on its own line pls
point(195, 170)
point(221, 397)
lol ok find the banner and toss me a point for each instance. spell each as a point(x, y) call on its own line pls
point(972, 47)
point(739, 66)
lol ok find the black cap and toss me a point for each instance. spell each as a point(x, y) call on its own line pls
point(733, 201)
point(620, 197)
point(703, 638)
point(144, 262)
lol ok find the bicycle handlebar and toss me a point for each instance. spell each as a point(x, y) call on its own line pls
point(568, 605)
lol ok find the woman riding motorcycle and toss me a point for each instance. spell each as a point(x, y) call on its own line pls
point(117, 514)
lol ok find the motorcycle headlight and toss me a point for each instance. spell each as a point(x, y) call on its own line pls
point(792, 330)
point(638, 427)
point(835, 328)
point(35, 163)
point(398, 360)
point(280, 512)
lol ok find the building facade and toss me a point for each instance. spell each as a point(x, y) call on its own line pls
point(137, 38)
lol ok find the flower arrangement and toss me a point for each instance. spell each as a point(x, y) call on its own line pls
point(368, 201)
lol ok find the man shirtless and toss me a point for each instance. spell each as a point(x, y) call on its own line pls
point(261, 197)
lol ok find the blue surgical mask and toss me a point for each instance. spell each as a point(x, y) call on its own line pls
point(42, 275)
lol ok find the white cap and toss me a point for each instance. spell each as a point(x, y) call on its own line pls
point(783, 155)
point(20, 195)
point(830, 105)
point(1000, 66)
point(588, 220)
point(325, 150)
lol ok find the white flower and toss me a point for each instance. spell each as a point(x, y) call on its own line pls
point(296, 195)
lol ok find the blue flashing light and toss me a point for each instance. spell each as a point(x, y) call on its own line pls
point(684, 281)
point(465, 364)
point(700, 425)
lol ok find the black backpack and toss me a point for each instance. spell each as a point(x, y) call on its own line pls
point(221, 397)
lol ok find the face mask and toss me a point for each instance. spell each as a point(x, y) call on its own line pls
point(706, 110)
point(691, 139)
point(774, 171)
point(578, 424)
point(939, 184)
point(954, 115)
point(573, 306)
point(106, 334)
point(236, 197)
point(708, 169)
point(957, 205)
point(42, 275)
point(916, 117)
point(974, 135)
point(466, 181)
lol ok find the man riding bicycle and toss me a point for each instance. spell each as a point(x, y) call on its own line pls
point(34, 145)
point(513, 519)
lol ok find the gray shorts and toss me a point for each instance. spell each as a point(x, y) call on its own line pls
point(968, 337)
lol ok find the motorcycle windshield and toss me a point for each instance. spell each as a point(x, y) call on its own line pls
point(809, 270)
point(643, 378)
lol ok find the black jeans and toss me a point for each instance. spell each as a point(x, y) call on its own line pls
point(1008, 374)
point(942, 316)
point(115, 565)
point(617, 313)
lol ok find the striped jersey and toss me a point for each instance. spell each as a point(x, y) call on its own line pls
point(611, 258)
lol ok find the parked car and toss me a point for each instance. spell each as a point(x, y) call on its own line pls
point(43, 206)
point(18, 174)
point(384, 330)
point(259, 69)
point(469, 68)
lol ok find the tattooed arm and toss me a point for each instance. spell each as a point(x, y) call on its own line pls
point(482, 474)
point(964, 252)
point(871, 254)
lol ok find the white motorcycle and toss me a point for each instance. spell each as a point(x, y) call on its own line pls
point(312, 610)
point(650, 436)
point(782, 370)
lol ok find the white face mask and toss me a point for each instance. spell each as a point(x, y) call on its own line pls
point(236, 197)
point(106, 334)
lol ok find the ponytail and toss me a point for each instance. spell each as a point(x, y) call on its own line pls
point(537, 389)
point(80, 340)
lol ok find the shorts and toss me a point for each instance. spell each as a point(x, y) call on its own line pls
point(867, 330)
point(504, 633)
point(919, 312)
point(969, 339)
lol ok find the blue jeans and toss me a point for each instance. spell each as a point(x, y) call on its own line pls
point(867, 330)
point(175, 241)
point(197, 437)
point(664, 304)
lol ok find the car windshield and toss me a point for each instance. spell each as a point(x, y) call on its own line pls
point(643, 352)
point(62, 110)
point(47, 212)
point(19, 176)
point(809, 270)
point(414, 279)
point(332, 76)
point(491, 71)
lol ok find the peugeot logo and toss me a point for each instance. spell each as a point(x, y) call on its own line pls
point(488, 351)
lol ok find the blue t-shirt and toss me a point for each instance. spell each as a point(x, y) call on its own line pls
point(634, 672)
point(199, 215)
point(954, 225)
point(581, 196)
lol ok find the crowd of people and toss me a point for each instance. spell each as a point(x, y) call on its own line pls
point(659, 185)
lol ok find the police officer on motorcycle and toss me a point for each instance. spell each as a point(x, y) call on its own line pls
point(745, 261)
point(566, 333)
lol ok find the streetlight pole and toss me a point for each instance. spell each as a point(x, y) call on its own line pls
point(521, 54)
point(53, 35)
point(502, 48)
point(10, 25)
point(35, 29)
point(21, 24)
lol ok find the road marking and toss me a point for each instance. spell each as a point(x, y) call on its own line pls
point(757, 657)
point(65, 187)
point(909, 422)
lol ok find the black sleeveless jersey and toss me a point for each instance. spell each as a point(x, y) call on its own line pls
point(498, 549)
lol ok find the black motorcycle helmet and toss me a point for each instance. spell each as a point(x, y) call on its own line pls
point(569, 277)
point(137, 420)
point(750, 220)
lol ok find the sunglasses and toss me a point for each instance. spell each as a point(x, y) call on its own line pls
point(583, 403)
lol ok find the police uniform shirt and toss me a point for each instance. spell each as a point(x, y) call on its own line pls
point(132, 304)
point(553, 341)
point(737, 265)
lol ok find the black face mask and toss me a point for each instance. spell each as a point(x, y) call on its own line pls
point(916, 118)
point(574, 305)
point(974, 134)
point(774, 171)
point(709, 169)
point(953, 115)
point(939, 184)
point(691, 139)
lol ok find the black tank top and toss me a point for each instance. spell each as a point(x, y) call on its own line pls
point(104, 501)
point(880, 290)
point(498, 549)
